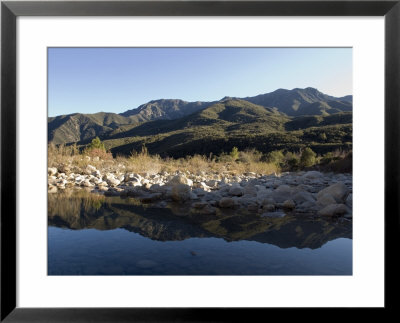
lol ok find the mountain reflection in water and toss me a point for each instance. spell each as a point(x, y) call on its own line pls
point(175, 222)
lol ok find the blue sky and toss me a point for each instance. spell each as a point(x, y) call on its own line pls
point(89, 80)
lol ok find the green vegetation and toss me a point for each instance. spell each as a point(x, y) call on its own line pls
point(307, 158)
point(234, 153)
point(96, 144)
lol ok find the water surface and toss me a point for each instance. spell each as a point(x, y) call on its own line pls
point(96, 235)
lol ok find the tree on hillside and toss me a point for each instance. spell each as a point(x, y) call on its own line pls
point(96, 144)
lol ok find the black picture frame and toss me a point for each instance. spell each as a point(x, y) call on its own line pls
point(10, 10)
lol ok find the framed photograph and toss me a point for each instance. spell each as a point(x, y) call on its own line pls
point(186, 160)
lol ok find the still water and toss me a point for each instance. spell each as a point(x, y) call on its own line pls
point(96, 235)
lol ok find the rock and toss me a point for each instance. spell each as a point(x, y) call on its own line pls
point(203, 186)
point(113, 181)
point(288, 204)
point(281, 195)
point(180, 192)
point(333, 210)
point(212, 183)
point(180, 179)
point(51, 171)
point(302, 196)
point(96, 158)
point(250, 189)
point(325, 200)
point(90, 169)
point(236, 191)
point(339, 191)
point(226, 202)
point(158, 188)
point(306, 207)
point(312, 175)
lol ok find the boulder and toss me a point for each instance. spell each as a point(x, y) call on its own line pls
point(333, 210)
point(339, 192)
point(180, 179)
point(236, 191)
point(303, 196)
point(312, 175)
point(250, 189)
point(90, 169)
point(326, 199)
point(113, 181)
point(180, 192)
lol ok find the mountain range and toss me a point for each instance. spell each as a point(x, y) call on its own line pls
point(288, 119)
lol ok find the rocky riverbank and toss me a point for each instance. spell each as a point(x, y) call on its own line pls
point(312, 192)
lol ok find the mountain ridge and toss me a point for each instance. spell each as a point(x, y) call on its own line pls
point(175, 114)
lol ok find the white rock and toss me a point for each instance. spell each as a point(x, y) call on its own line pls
point(180, 179)
point(113, 181)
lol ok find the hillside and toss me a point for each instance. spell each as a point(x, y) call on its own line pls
point(283, 119)
point(230, 123)
point(77, 127)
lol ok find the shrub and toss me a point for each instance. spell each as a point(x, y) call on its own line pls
point(292, 161)
point(234, 153)
point(250, 156)
point(96, 144)
point(307, 158)
point(275, 157)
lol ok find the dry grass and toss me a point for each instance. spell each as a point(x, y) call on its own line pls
point(143, 162)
